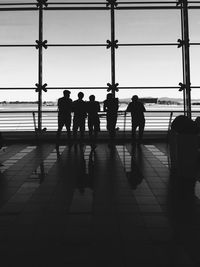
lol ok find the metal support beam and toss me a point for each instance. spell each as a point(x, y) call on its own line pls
point(112, 45)
point(184, 43)
point(40, 45)
point(187, 59)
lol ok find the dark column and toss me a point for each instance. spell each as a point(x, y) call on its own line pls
point(112, 15)
point(40, 48)
point(40, 45)
point(187, 58)
point(184, 43)
point(112, 44)
point(183, 60)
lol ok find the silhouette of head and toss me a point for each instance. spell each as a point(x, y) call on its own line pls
point(92, 97)
point(66, 93)
point(109, 96)
point(134, 98)
point(80, 95)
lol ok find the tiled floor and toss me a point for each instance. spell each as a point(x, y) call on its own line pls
point(115, 206)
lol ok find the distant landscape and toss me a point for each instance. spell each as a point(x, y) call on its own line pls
point(146, 100)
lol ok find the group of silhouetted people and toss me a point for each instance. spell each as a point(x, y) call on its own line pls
point(90, 109)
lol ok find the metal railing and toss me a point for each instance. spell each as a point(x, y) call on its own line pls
point(22, 121)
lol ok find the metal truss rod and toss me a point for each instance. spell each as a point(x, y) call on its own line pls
point(17, 4)
point(103, 3)
point(98, 87)
point(89, 3)
point(16, 45)
point(185, 27)
point(149, 87)
point(76, 3)
point(76, 8)
point(98, 3)
point(150, 44)
point(40, 67)
point(96, 45)
point(154, 7)
point(183, 61)
point(147, 3)
point(57, 45)
point(96, 8)
point(155, 3)
point(17, 88)
point(19, 9)
point(147, 7)
point(120, 8)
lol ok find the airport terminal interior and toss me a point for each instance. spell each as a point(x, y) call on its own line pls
point(118, 201)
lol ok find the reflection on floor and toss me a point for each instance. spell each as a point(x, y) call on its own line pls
point(76, 205)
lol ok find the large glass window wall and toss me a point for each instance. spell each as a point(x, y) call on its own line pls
point(132, 47)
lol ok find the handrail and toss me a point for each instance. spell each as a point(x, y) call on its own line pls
point(156, 120)
point(101, 112)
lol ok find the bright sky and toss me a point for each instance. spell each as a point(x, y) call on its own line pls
point(90, 66)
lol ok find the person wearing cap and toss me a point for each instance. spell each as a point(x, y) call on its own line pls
point(137, 110)
point(79, 109)
point(64, 113)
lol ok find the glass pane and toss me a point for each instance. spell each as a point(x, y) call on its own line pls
point(194, 23)
point(76, 26)
point(194, 66)
point(74, 1)
point(77, 66)
point(152, 66)
point(152, 96)
point(18, 67)
point(51, 97)
point(18, 27)
point(147, 26)
point(21, 99)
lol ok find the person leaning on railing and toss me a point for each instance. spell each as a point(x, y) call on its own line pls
point(137, 110)
point(79, 108)
point(64, 113)
point(93, 107)
point(111, 105)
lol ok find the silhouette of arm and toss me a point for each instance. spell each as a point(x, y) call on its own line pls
point(128, 109)
point(58, 104)
point(117, 104)
point(99, 109)
point(104, 106)
point(144, 109)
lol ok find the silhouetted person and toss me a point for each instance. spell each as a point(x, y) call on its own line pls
point(137, 110)
point(64, 113)
point(79, 108)
point(184, 125)
point(111, 105)
point(93, 107)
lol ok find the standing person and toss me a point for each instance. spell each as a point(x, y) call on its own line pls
point(64, 113)
point(137, 110)
point(93, 107)
point(79, 108)
point(111, 105)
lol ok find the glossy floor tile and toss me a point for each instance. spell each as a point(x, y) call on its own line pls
point(73, 205)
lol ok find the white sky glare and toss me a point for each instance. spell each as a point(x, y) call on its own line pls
point(90, 66)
